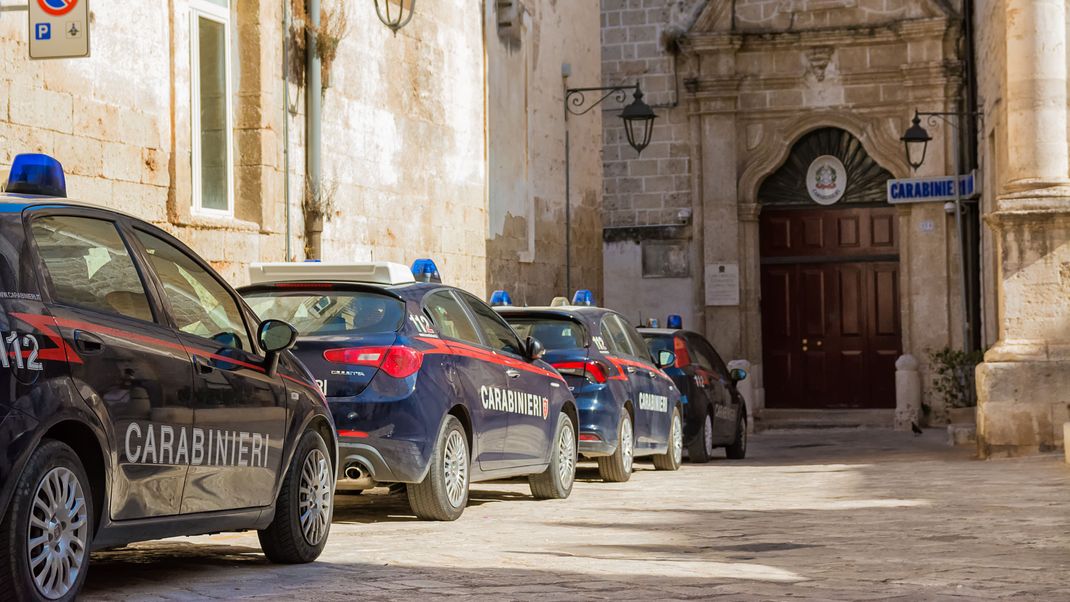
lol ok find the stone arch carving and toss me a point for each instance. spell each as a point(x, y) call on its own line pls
point(879, 139)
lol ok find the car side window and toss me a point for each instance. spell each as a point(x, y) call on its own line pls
point(448, 314)
point(700, 353)
point(200, 303)
point(718, 364)
point(641, 350)
point(90, 266)
point(498, 334)
point(614, 334)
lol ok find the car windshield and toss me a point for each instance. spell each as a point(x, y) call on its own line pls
point(658, 343)
point(553, 333)
point(330, 313)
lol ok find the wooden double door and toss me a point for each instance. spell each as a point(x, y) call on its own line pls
point(830, 307)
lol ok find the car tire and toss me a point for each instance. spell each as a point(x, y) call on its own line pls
point(299, 531)
point(701, 449)
point(617, 468)
point(674, 456)
point(555, 483)
point(53, 472)
point(443, 493)
point(738, 449)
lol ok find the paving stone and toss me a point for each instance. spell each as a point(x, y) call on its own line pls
point(827, 515)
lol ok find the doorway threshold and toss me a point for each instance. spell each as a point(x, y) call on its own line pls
point(782, 419)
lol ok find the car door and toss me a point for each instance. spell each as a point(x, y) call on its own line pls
point(660, 398)
point(239, 412)
point(473, 374)
point(727, 402)
point(128, 363)
point(527, 391)
point(641, 390)
point(708, 379)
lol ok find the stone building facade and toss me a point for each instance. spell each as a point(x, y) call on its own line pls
point(719, 220)
point(191, 114)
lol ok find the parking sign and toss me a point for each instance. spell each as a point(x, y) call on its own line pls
point(59, 29)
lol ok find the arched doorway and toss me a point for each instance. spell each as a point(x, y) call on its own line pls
point(830, 296)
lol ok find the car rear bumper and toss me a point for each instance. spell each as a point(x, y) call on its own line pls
point(391, 441)
point(599, 415)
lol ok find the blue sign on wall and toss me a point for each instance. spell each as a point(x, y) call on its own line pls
point(938, 189)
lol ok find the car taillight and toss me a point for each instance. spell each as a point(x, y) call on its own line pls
point(589, 437)
point(591, 369)
point(679, 348)
point(397, 361)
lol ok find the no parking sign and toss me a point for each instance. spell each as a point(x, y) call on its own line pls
point(59, 29)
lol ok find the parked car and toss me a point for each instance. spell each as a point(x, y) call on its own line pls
point(142, 398)
point(428, 386)
point(627, 406)
point(715, 414)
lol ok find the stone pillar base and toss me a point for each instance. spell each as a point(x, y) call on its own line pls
point(1021, 407)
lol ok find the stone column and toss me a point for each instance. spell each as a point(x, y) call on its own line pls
point(1024, 385)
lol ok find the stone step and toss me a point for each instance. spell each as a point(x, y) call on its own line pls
point(819, 419)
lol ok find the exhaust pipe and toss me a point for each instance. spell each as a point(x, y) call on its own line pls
point(354, 471)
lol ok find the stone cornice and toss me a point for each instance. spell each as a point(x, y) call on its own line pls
point(839, 37)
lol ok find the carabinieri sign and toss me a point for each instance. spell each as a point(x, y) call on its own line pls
point(924, 190)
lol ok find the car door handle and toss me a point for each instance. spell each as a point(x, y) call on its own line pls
point(203, 367)
point(87, 343)
point(630, 369)
point(512, 373)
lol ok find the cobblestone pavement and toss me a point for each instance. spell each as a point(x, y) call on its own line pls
point(845, 515)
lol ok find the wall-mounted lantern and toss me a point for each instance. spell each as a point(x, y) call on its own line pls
point(395, 14)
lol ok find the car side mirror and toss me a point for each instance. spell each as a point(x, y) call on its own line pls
point(666, 358)
point(534, 348)
point(275, 336)
point(738, 374)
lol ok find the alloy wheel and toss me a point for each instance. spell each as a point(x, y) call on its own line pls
point(566, 450)
point(677, 440)
point(626, 443)
point(707, 434)
point(455, 468)
point(56, 535)
point(315, 491)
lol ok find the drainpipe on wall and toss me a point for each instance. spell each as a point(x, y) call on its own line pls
point(286, 125)
point(313, 121)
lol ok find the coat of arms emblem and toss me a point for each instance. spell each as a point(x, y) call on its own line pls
point(826, 180)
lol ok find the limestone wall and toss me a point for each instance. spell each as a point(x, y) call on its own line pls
point(526, 43)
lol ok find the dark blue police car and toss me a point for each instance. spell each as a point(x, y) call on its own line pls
point(715, 414)
point(142, 399)
point(428, 386)
point(628, 406)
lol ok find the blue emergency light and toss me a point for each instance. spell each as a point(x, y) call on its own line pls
point(38, 175)
point(674, 321)
point(425, 270)
point(583, 297)
point(500, 298)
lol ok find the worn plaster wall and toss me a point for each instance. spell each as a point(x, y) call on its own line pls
point(755, 75)
point(527, 41)
point(403, 130)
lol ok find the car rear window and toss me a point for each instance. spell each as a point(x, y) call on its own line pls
point(658, 343)
point(553, 333)
point(330, 313)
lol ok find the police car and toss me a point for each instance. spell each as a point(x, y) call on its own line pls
point(428, 386)
point(715, 414)
point(628, 406)
point(141, 398)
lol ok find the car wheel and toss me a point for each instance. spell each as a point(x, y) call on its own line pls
point(48, 528)
point(443, 493)
point(304, 507)
point(618, 467)
point(674, 456)
point(701, 449)
point(738, 450)
point(556, 482)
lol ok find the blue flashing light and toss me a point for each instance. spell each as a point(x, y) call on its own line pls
point(500, 298)
point(313, 261)
point(425, 270)
point(583, 297)
point(38, 175)
point(674, 321)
